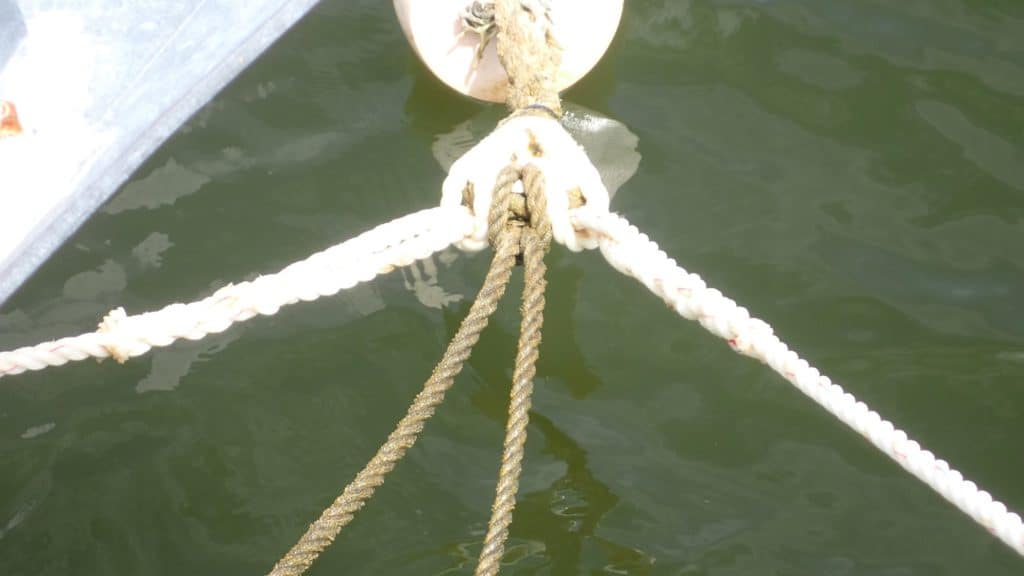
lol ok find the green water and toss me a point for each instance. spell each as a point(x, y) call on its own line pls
point(851, 171)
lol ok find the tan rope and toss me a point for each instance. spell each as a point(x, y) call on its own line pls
point(535, 241)
point(326, 528)
point(529, 53)
point(531, 57)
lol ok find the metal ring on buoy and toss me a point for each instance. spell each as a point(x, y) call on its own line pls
point(434, 28)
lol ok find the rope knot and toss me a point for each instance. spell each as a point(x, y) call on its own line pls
point(519, 201)
point(519, 146)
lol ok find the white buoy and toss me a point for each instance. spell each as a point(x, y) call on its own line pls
point(584, 29)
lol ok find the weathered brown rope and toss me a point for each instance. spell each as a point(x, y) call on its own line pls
point(326, 528)
point(535, 240)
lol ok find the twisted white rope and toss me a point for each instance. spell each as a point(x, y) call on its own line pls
point(380, 250)
point(634, 254)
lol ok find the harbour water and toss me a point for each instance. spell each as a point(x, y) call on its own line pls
point(852, 171)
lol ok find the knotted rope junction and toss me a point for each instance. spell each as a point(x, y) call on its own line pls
point(565, 201)
point(524, 232)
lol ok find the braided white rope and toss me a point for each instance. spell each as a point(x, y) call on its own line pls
point(378, 251)
point(634, 254)
point(526, 139)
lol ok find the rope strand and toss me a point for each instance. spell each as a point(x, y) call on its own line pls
point(535, 241)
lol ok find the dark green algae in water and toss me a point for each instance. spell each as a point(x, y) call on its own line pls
point(848, 170)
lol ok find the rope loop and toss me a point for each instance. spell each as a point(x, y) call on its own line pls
point(500, 213)
point(515, 206)
point(570, 178)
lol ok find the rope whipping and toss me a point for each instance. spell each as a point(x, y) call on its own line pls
point(535, 242)
point(327, 527)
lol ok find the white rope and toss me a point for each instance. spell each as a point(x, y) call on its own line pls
point(380, 250)
point(541, 141)
point(634, 254)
